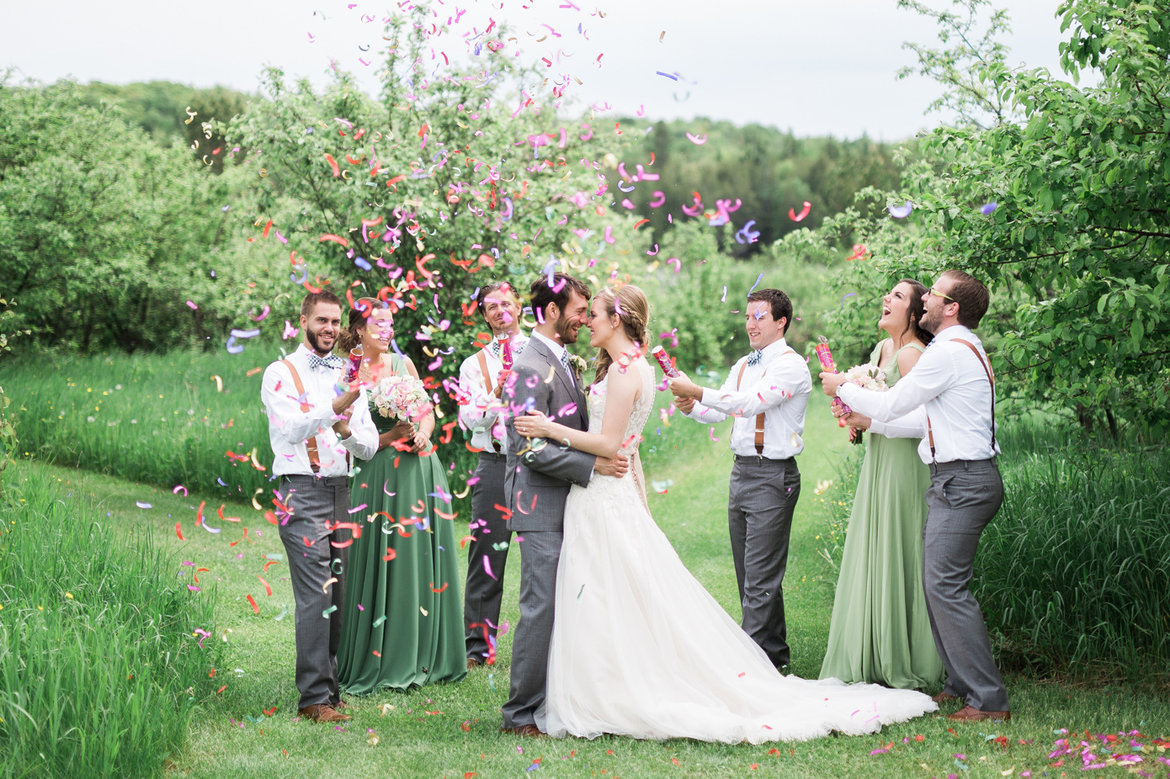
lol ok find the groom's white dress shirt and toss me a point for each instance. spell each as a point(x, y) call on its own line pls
point(947, 384)
point(289, 426)
point(479, 411)
point(779, 386)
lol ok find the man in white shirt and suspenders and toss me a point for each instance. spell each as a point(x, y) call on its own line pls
point(481, 410)
point(315, 429)
point(948, 400)
point(767, 393)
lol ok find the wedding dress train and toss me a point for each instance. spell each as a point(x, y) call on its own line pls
point(640, 649)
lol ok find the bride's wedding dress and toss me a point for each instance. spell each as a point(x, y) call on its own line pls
point(640, 649)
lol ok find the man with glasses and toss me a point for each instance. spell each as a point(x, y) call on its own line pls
point(949, 401)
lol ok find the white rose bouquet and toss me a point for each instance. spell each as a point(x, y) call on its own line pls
point(401, 397)
point(870, 377)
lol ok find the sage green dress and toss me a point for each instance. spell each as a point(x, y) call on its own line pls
point(397, 631)
point(880, 631)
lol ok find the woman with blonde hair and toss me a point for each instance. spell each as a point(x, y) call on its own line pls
point(639, 647)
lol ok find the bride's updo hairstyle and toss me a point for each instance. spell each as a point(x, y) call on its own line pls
point(631, 306)
point(351, 336)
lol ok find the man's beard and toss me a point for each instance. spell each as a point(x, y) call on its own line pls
point(566, 332)
point(311, 337)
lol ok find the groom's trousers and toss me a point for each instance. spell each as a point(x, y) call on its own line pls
point(313, 560)
point(763, 495)
point(963, 497)
point(540, 553)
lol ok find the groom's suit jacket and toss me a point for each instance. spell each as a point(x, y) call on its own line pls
point(539, 469)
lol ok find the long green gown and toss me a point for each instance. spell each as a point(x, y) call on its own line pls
point(880, 631)
point(397, 631)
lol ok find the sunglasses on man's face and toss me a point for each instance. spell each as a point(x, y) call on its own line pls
point(934, 291)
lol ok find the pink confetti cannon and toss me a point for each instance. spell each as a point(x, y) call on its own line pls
point(506, 352)
point(355, 364)
point(664, 361)
point(827, 362)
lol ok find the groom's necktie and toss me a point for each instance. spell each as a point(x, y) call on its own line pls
point(755, 357)
point(565, 362)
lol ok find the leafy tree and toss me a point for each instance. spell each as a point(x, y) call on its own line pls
point(1063, 212)
point(425, 193)
point(104, 235)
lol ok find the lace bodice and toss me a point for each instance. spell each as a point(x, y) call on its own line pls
point(642, 406)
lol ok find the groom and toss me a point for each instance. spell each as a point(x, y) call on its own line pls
point(537, 481)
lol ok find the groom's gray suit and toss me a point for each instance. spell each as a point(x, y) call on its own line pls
point(536, 484)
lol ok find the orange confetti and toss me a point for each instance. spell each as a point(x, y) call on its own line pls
point(179, 532)
point(252, 601)
point(333, 164)
point(267, 586)
point(440, 589)
point(390, 554)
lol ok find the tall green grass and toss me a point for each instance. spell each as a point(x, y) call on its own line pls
point(1075, 569)
point(163, 419)
point(98, 650)
point(1073, 574)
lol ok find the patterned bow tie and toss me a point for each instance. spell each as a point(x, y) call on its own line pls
point(329, 362)
point(755, 357)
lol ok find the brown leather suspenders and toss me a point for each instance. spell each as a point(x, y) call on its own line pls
point(990, 379)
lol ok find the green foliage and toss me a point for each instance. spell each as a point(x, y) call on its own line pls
point(1076, 251)
point(1074, 572)
point(158, 419)
point(104, 235)
point(167, 111)
point(758, 174)
point(99, 659)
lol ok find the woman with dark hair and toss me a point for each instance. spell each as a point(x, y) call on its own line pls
point(880, 631)
point(402, 623)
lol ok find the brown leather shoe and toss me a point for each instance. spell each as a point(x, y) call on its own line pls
point(323, 712)
point(944, 697)
point(340, 705)
point(971, 714)
point(530, 731)
point(473, 662)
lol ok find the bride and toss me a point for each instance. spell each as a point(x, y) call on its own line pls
point(639, 648)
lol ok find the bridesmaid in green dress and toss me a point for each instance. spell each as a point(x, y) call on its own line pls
point(403, 623)
point(880, 631)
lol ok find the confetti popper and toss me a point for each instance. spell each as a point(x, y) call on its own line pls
point(830, 365)
point(506, 352)
point(355, 363)
point(664, 361)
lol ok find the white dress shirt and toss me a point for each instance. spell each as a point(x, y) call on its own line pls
point(289, 427)
point(947, 384)
point(778, 386)
point(479, 411)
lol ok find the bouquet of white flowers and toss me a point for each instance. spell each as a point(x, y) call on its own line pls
point(867, 376)
point(401, 396)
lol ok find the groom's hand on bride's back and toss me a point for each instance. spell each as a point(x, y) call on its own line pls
point(612, 466)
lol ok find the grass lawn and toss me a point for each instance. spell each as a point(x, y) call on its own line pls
point(248, 727)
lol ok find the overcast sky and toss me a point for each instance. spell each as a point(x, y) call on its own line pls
point(815, 67)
